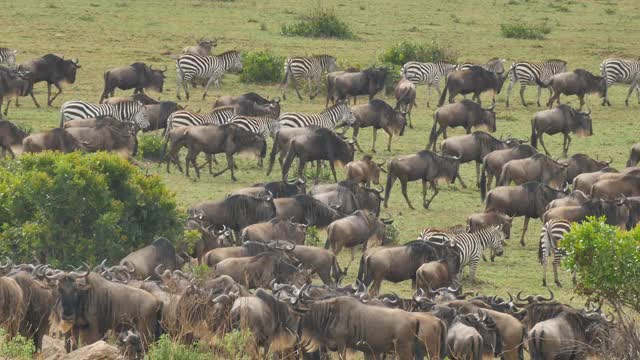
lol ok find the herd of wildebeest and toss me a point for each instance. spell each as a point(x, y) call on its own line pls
point(253, 240)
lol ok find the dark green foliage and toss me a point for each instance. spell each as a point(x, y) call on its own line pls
point(262, 67)
point(150, 147)
point(165, 349)
point(319, 23)
point(18, 348)
point(391, 234)
point(70, 208)
point(524, 31)
point(312, 237)
point(406, 51)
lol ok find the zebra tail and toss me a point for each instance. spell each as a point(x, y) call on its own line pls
point(483, 181)
point(61, 119)
point(432, 135)
point(443, 96)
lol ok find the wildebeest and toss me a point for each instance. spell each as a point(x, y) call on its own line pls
point(275, 229)
point(577, 82)
point(364, 171)
point(405, 92)
point(582, 163)
point(474, 80)
point(258, 271)
point(104, 133)
point(439, 273)
point(634, 156)
point(529, 200)
point(234, 100)
point(321, 144)
point(10, 135)
point(474, 147)
point(576, 197)
point(538, 167)
point(360, 228)
point(348, 196)
point(52, 69)
point(585, 181)
point(211, 236)
point(466, 113)
point(138, 76)
point(158, 114)
point(616, 211)
point(562, 119)
point(424, 165)
point(481, 220)
point(143, 262)
point(12, 303)
point(54, 140)
point(321, 262)
point(203, 48)
point(214, 256)
point(627, 185)
point(13, 84)
point(306, 209)
point(366, 82)
point(379, 115)
point(278, 189)
point(494, 161)
point(282, 141)
point(38, 302)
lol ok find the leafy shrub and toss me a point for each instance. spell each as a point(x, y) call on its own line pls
point(312, 237)
point(391, 234)
point(262, 67)
point(319, 23)
point(406, 51)
point(150, 147)
point(71, 208)
point(235, 345)
point(18, 348)
point(524, 31)
point(165, 349)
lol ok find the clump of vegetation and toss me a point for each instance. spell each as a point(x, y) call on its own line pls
point(525, 31)
point(319, 23)
point(150, 147)
point(235, 345)
point(406, 51)
point(391, 234)
point(312, 237)
point(262, 67)
point(165, 349)
point(18, 348)
point(70, 208)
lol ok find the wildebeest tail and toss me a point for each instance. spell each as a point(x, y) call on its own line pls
point(432, 135)
point(418, 345)
point(483, 181)
point(336, 272)
point(535, 346)
point(443, 340)
point(363, 275)
point(444, 92)
point(326, 243)
point(274, 152)
point(521, 345)
point(287, 163)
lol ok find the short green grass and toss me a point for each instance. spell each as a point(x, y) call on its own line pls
point(108, 34)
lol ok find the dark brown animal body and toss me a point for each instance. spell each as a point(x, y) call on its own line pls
point(474, 80)
point(367, 82)
point(437, 274)
point(278, 189)
point(585, 181)
point(282, 142)
point(55, 140)
point(405, 92)
point(139, 97)
point(52, 69)
point(562, 119)
point(213, 257)
point(39, 300)
point(364, 171)
point(105, 134)
point(305, 209)
point(578, 82)
point(582, 163)
point(10, 135)
point(379, 115)
point(275, 229)
point(257, 271)
point(138, 76)
point(634, 156)
point(616, 212)
point(233, 100)
point(321, 262)
point(144, 261)
point(538, 167)
point(348, 196)
point(478, 221)
point(14, 84)
point(627, 185)
point(12, 305)
point(493, 162)
point(360, 228)
point(158, 114)
point(466, 114)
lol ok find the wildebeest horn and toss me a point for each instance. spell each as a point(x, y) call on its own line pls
point(528, 299)
point(382, 163)
point(589, 112)
point(128, 269)
point(379, 191)
point(430, 291)
point(7, 266)
point(224, 298)
point(75, 61)
point(181, 274)
point(550, 298)
point(158, 270)
point(454, 290)
point(492, 107)
point(417, 298)
point(610, 160)
point(75, 275)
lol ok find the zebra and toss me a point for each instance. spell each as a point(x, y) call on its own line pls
point(297, 69)
point(442, 235)
point(427, 73)
point(218, 116)
point(190, 66)
point(533, 73)
point(471, 246)
point(495, 65)
point(335, 116)
point(621, 71)
point(127, 111)
point(552, 232)
point(261, 125)
point(8, 57)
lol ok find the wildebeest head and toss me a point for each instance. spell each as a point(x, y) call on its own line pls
point(72, 287)
point(156, 80)
point(69, 68)
point(207, 44)
point(377, 78)
point(582, 124)
point(593, 83)
point(490, 117)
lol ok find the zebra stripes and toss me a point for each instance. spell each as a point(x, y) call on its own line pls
point(621, 71)
point(126, 111)
point(533, 73)
point(337, 115)
point(297, 69)
point(495, 65)
point(441, 235)
point(218, 116)
point(552, 232)
point(190, 66)
point(427, 73)
point(471, 246)
point(8, 57)
point(261, 125)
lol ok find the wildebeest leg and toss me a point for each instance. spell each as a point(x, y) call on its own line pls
point(581, 97)
point(13, 156)
point(403, 185)
point(542, 143)
point(356, 130)
point(567, 142)
point(478, 175)
point(509, 90)
point(56, 95)
point(435, 192)
point(231, 166)
point(390, 180)
point(524, 230)
point(318, 169)
point(187, 159)
point(540, 94)
point(553, 98)
point(634, 85)
point(390, 137)
point(48, 94)
point(375, 136)
point(32, 97)
point(333, 170)
point(301, 163)
point(424, 190)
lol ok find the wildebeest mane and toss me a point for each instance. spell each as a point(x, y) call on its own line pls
point(243, 138)
point(314, 210)
point(487, 142)
point(165, 248)
point(246, 210)
point(278, 308)
point(255, 248)
point(419, 248)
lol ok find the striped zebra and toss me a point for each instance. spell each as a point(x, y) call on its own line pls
point(533, 73)
point(335, 116)
point(297, 69)
point(190, 66)
point(427, 73)
point(471, 246)
point(552, 232)
point(495, 65)
point(127, 111)
point(262, 125)
point(442, 235)
point(8, 57)
point(621, 71)
point(218, 116)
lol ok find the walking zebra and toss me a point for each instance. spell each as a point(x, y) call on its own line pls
point(533, 73)
point(427, 73)
point(296, 69)
point(127, 111)
point(495, 65)
point(190, 66)
point(8, 57)
point(552, 232)
point(621, 71)
point(335, 116)
point(218, 116)
point(471, 246)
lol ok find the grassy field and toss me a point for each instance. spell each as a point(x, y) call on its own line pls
point(104, 34)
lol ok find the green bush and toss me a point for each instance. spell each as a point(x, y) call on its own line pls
point(235, 345)
point(18, 348)
point(312, 237)
point(166, 349)
point(524, 31)
point(150, 147)
point(69, 208)
point(406, 51)
point(319, 23)
point(391, 234)
point(262, 67)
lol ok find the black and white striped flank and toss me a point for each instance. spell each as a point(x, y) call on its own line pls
point(127, 111)
point(495, 65)
point(441, 235)
point(8, 57)
point(621, 71)
point(190, 66)
point(427, 73)
point(261, 125)
point(336, 115)
point(298, 69)
point(533, 73)
point(471, 246)
point(552, 232)
point(218, 116)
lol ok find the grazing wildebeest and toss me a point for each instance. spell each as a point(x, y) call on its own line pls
point(321, 144)
point(582, 163)
point(141, 263)
point(275, 229)
point(474, 147)
point(405, 92)
point(634, 156)
point(627, 185)
point(282, 141)
point(379, 115)
point(360, 228)
point(538, 167)
point(577, 82)
point(10, 134)
point(424, 165)
point(466, 113)
point(494, 161)
point(203, 48)
point(52, 69)
point(367, 82)
point(364, 171)
point(12, 302)
point(13, 84)
point(104, 133)
point(54, 140)
point(478, 221)
point(250, 108)
point(306, 209)
point(562, 119)
point(529, 200)
point(233, 100)
point(474, 80)
point(137, 76)
point(585, 181)
point(279, 189)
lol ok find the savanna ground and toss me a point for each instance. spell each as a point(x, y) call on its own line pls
point(105, 34)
